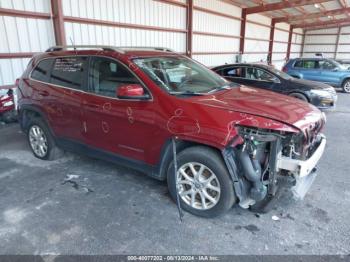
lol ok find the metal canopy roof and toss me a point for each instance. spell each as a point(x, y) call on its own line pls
point(306, 14)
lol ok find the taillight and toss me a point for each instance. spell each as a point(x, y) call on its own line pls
point(284, 69)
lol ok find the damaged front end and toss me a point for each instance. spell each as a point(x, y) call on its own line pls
point(262, 162)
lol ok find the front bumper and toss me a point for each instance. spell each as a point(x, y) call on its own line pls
point(302, 168)
point(324, 102)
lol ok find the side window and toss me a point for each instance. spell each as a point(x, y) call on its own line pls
point(326, 65)
point(233, 72)
point(42, 71)
point(310, 64)
point(259, 74)
point(69, 72)
point(107, 75)
point(299, 64)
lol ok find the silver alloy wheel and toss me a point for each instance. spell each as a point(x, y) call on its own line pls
point(198, 186)
point(38, 141)
point(347, 87)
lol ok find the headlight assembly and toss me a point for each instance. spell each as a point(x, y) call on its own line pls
point(322, 93)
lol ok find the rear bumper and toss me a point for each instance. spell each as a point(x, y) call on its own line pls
point(302, 168)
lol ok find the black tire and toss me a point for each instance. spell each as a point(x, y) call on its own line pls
point(52, 152)
point(299, 96)
point(346, 86)
point(9, 117)
point(213, 160)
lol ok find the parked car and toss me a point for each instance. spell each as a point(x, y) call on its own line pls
point(267, 77)
point(344, 62)
point(153, 109)
point(323, 70)
point(7, 106)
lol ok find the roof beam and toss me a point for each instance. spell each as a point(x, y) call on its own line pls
point(313, 15)
point(282, 5)
point(323, 23)
point(329, 26)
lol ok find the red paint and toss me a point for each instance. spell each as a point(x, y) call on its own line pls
point(5, 99)
point(58, 22)
point(189, 34)
point(242, 33)
point(138, 129)
point(290, 35)
point(281, 5)
point(25, 14)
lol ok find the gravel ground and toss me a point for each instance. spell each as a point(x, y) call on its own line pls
point(108, 209)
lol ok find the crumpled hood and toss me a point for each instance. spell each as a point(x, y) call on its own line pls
point(263, 103)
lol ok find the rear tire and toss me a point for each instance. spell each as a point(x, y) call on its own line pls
point(202, 174)
point(299, 96)
point(9, 117)
point(346, 86)
point(41, 141)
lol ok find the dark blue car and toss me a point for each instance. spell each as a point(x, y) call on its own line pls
point(323, 70)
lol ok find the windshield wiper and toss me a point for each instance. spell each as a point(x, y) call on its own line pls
point(219, 88)
point(186, 93)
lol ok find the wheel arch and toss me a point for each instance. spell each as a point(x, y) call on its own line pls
point(27, 112)
point(167, 154)
point(344, 79)
point(300, 93)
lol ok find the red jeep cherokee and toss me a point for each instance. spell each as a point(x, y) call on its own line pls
point(146, 107)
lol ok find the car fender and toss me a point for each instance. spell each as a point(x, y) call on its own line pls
point(24, 119)
point(343, 78)
point(296, 74)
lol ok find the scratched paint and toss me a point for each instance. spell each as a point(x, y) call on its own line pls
point(178, 124)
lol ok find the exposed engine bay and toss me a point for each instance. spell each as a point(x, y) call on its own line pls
point(268, 159)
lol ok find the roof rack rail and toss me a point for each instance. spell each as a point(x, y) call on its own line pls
point(74, 47)
point(156, 48)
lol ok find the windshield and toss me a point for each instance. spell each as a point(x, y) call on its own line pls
point(339, 65)
point(181, 75)
point(280, 73)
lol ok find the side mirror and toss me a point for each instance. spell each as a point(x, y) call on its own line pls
point(131, 91)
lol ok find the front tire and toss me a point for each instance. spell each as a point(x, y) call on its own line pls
point(204, 184)
point(41, 141)
point(299, 96)
point(346, 86)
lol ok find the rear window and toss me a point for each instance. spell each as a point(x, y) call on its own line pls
point(42, 71)
point(69, 71)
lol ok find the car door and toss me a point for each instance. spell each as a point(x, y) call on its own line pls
point(122, 126)
point(67, 84)
point(261, 78)
point(329, 72)
point(309, 69)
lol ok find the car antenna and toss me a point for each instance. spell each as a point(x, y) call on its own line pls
point(72, 42)
point(175, 176)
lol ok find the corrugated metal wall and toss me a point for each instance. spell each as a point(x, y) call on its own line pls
point(315, 40)
point(332, 42)
point(22, 35)
point(220, 34)
point(136, 12)
point(257, 34)
point(216, 30)
point(297, 43)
